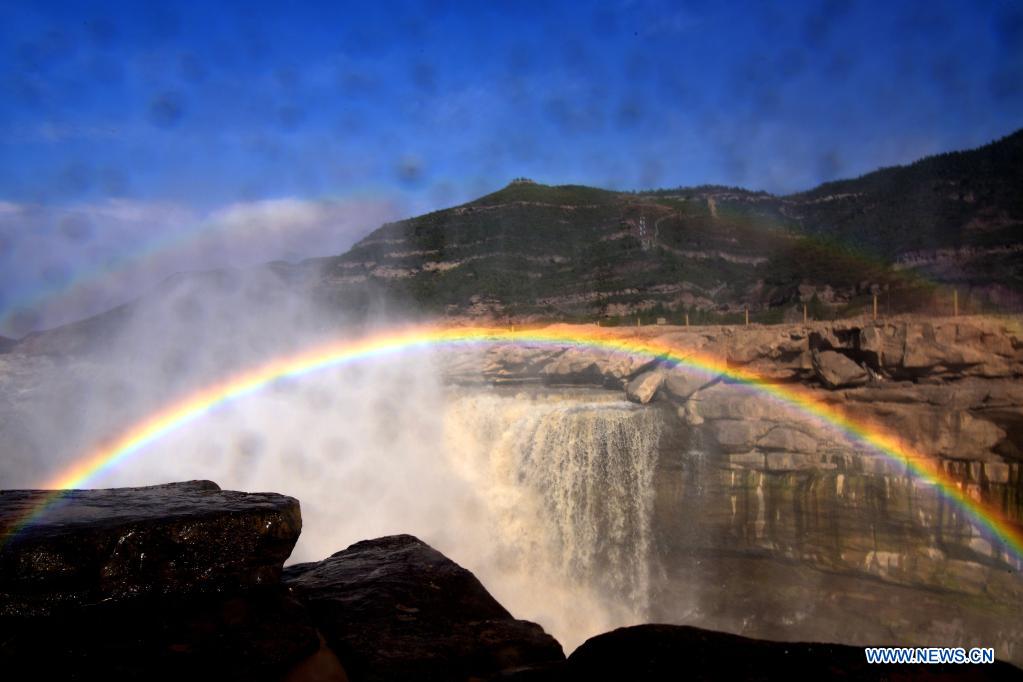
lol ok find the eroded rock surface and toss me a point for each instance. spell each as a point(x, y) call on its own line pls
point(941, 349)
point(395, 608)
point(836, 370)
point(644, 388)
point(92, 546)
point(752, 491)
point(176, 581)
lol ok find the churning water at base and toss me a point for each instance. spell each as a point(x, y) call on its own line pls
point(566, 480)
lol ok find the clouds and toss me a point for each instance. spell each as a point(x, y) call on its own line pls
point(59, 263)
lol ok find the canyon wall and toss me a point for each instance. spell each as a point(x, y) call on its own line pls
point(770, 522)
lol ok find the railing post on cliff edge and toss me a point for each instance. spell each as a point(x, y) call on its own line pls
point(875, 307)
point(804, 313)
point(955, 303)
point(747, 316)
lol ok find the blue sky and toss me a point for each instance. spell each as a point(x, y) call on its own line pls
point(396, 108)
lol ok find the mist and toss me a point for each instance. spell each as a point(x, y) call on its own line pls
point(61, 263)
point(516, 485)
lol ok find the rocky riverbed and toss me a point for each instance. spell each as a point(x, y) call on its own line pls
point(187, 581)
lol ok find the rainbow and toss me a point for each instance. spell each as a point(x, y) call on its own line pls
point(195, 406)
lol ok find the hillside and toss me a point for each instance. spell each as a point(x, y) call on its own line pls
point(533, 252)
point(562, 251)
point(954, 200)
point(574, 252)
point(953, 217)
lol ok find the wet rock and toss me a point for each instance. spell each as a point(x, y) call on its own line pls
point(92, 546)
point(514, 364)
point(165, 582)
point(395, 608)
point(836, 370)
point(664, 652)
point(644, 388)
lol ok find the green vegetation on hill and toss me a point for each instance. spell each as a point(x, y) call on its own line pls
point(568, 195)
point(574, 252)
point(969, 198)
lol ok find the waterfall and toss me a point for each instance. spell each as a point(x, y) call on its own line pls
point(567, 481)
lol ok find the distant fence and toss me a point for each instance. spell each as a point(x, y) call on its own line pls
point(945, 303)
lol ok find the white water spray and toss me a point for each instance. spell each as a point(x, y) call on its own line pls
point(567, 480)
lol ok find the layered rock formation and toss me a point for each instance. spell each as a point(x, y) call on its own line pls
point(771, 522)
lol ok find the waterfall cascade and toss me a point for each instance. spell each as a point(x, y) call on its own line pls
point(567, 480)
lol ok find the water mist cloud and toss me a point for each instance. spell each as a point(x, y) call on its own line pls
point(514, 487)
point(60, 263)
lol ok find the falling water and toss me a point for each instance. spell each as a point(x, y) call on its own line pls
point(568, 481)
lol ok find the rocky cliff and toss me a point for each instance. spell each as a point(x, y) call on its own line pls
point(206, 602)
point(770, 523)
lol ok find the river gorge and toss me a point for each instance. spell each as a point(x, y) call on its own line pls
point(590, 489)
point(694, 499)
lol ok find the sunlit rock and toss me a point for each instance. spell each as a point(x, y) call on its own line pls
point(681, 383)
point(644, 388)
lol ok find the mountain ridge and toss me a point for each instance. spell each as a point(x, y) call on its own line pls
point(536, 252)
point(578, 252)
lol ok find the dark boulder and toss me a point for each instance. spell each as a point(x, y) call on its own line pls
point(394, 608)
point(166, 582)
point(93, 546)
point(664, 652)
